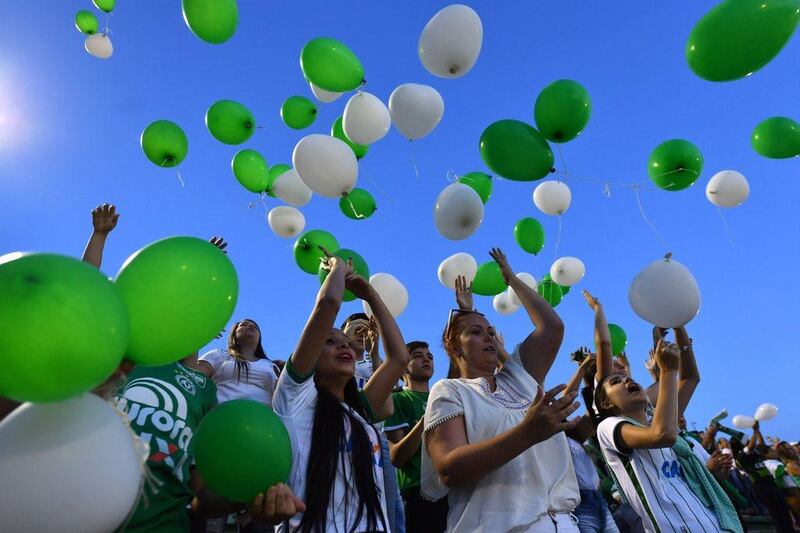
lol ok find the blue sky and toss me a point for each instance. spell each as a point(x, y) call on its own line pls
point(69, 139)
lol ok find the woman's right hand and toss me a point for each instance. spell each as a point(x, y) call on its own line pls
point(668, 355)
point(545, 416)
point(331, 262)
point(464, 294)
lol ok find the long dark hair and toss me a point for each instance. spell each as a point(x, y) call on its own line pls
point(242, 364)
point(328, 443)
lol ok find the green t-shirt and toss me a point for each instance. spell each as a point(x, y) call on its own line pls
point(165, 404)
point(409, 408)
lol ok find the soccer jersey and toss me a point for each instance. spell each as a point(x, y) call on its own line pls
point(654, 484)
point(409, 408)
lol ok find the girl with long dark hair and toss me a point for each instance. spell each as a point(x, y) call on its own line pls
point(337, 463)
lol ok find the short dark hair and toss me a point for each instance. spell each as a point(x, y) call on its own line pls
point(601, 398)
point(413, 345)
point(354, 316)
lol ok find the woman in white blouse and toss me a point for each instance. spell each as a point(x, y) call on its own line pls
point(493, 440)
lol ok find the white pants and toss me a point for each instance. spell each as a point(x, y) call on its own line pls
point(554, 523)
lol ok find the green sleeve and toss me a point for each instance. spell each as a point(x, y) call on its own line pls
point(297, 378)
point(399, 416)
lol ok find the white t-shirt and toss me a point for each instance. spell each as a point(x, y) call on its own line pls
point(363, 371)
point(259, 384)
point(585, 471)
point(785, 481)
point(654, 484)
point(294, 402)
point(513, 497)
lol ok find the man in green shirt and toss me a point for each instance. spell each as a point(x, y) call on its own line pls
point(404, 431)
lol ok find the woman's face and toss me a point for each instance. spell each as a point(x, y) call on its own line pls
point(625, 394)
point(477, 345)
point(247, 330)
point(337, 358)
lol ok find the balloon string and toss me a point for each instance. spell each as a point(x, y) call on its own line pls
point(180, 178)
point(358, 215)
point(259, 200)
point(563, 161)
point(107, 29)
point(725, 224)
point(558, 239)
point(452, 177)
point(608, 184)
point(652, 226)
point(413, 157)
point(377, 187)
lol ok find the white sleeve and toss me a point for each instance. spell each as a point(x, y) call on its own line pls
point(607, 433)
point(292, 393)
point(214, 357)
point(444, 403)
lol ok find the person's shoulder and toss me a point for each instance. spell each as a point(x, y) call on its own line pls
point(607, 426)
point(214, 354)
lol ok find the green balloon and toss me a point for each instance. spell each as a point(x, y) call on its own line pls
point(674, 165)
point(550, 291)
point(105, 5)
point(274, 172)
point(480, 182)
point(213, 21)
point(251, 169)
point(337, 130)
point(64, 327)
point(618, 339)
point(331, 65)
point(298, 112)
point(777, 138)
point(359, 266)
point(307, 253)
point(86, 22)
point(738, 37)
point(263, 451)
point(230, 122)
point(564, 288)
point(489, 280)
point(562, 110)
point(516, 151)
point(358, 204)
point(180, 293)
point(164, 143)
point(529, 234)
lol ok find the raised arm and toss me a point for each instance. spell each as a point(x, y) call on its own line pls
point(688, 373)
point(602, 337)
point(104, 220)
point(372, 344)
point(574, 384)
point(663, 429)
point(403, 445)
point(464, 298)
point(539, 349)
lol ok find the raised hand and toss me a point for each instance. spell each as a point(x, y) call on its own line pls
point(545, 416)
point(505, 268)
point(372, 335)
point(357, 285)
point(667, 355)
point(330, 261)
point(590, 361)
point(219, 242)
point(464, 294)
point(651, 365)
point(104, 218)
point(593, 302)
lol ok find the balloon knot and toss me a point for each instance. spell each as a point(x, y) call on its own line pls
point(553, 170)
point(668, 256)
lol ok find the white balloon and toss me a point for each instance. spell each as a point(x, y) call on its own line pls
point(291, 189)
point(286, 221)
point(99, 45)
point(415, 109)
point(458, 211)
point(665, 294)
point(366, 119)
point(451, 41)
point(460, 264)
point(392, 292)
point(567, 271)
point(766, 411)
point(743, 421)
point(326, 165)
point(502, 304)
point(326, 97)
point(552, 197)
point(727, 189)
point(528, 280)
point(79, 456)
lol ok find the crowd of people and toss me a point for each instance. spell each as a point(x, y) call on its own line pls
point(486, 449)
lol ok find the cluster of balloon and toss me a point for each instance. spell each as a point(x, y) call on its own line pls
point(230, 122)
point(415, 110)
point(307, 252)
point(765, 412)
point(516, 150)
point(727, 188)
point(160, 282)
point(286, 221)
point(251, 169)
point(48, 445)
point(358, 204)
point(242, 476)
point(325, 97)
point(458, 211)
point(213, 21)
point(562, 110)
point(674, 165)
point(489, 280)
point(87, 332)
point(777, 138)
point(480, 182)
point(552, 197)
point(567, 271)
point(298, 112)
point(459, 264)
point(360, 267)
point(393, 293)
point(291, 189)
point(164, 143)
point(326, 165)
point(97, 44)
point(618, 339)
point(330, 65)
point(366, 119)
point(274, 172)
point(665, 294)
point(529, 234)
point(451, 41)
point(359, 150)
point(738, 37)
point(564, 288)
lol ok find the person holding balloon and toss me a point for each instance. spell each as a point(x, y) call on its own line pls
point(337, 461)
point(493, 440)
